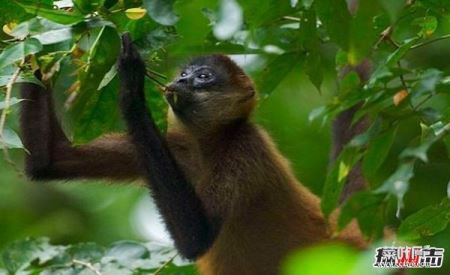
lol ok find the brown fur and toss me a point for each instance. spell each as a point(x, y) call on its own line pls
point(240, 175)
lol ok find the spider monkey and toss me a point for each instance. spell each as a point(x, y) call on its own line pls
point(228, 197)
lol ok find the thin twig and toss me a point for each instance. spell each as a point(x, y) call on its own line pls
point(4, 114)
point(87, 265)
point(157, 74)
point(165, 264)
point(447, 36)
point(423, 101)
point(163, 86)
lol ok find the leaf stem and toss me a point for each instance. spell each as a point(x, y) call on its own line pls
point(87, 265)
point(447, 36)
point(159, 270)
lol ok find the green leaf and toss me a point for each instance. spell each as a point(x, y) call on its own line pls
point(427, 24)
point(307, 3)
point(18, 51)
point(54, 36)
point(276, 70)
point(88, 6)
point(10, 139)
point(399, 53)
point(108, 77)
point(19, 255)
point(95, 111)
point(368, 135)
point(429, 80)
point(377, 152)
point(58, 16)
point(363, 35)
point(229, 20)
point(156, 102)
point(367, 208)
point(12, 101)
point(336, 19)
point(420, 151)
point(398, 183)
point(161, 11)
point(313, 69)
point(426, 222)
point(100, 113)
point(336, 179)
point(127, 254)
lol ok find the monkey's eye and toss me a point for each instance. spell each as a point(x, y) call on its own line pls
point(203, 76)
point(183, 74)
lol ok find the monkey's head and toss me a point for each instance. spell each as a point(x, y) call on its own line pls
point(211, 90)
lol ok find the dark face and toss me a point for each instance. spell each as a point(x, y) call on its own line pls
point(189, 86)
point(210, 88)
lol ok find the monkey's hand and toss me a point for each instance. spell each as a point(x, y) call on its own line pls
point(131, 69)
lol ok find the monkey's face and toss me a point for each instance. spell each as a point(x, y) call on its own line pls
point(211, 89)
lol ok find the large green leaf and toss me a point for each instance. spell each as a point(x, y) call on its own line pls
point(102, 56)
point(426, 222)
point(377, 151)
point(336, 19)
point(19, 51)
point(55, 15)
point(100, 113)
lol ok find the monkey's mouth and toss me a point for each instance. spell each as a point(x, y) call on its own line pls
point(180, 101)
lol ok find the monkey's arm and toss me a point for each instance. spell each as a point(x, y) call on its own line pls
point(175, 197)
point(51, 155)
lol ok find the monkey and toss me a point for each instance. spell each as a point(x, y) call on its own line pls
point(228, 197)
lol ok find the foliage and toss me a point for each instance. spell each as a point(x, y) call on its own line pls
point(406, 98)
point(38, 256)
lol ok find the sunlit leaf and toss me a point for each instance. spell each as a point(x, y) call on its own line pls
point(56, 15)
point(135, 13)
point(19, 51)
point(10, 138)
